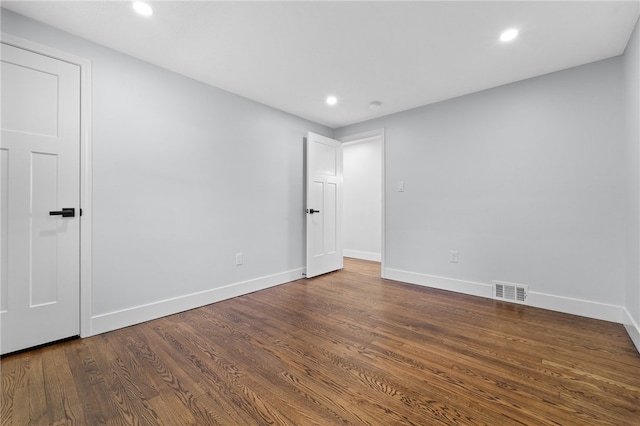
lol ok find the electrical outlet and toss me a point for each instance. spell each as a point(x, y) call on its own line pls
point(453, 256)
point(238, 259)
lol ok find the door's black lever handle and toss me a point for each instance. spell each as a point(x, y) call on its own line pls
point(65, 212)
point(312, 211)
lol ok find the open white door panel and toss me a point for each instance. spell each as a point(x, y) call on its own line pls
point(323, 205)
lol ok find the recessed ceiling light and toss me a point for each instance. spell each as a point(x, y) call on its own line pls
point(375, 104)
point(332, 100)
point(142, 8)
point(509, 35)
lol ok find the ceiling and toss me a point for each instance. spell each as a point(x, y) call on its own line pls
point(292, 55)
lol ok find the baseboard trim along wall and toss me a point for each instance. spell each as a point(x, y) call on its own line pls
point(633, 329)
point(138, 314)
point(583, 308)
point(442, 283)
point(364, 255)
point(566, 305)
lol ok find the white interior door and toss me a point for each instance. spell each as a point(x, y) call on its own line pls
point(324, 205)
point(40, 174)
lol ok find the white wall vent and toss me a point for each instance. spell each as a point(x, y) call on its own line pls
point(510, 292)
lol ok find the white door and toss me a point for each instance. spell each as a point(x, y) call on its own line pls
point(324, 205)
point(40, 174)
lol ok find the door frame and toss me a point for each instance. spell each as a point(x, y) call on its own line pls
point(85, 167)
point(378, 133)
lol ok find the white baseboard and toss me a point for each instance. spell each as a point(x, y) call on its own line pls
point(633, 329)
point(364, 255)
point(583, 308)
point(579, 307)
point(126, 317)
point(459, 286)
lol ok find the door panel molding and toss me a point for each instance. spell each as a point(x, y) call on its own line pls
point(86, 222)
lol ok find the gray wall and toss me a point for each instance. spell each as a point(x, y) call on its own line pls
point(184, 176)
point(526, 181)
point(632, 109)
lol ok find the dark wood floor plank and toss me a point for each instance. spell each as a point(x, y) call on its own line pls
point(243, 388)
point(342, 348)
point(84, 372)
point(37, 400)
point(14, 384)
point(350, 341)
point(63, 388)
point(19, 402)
point(171, 367)
point(361, 372)
point(216, 374)
point(339, 352)
point(265, 368)
point(121, 403)
point(313, 362)
point(216, 401)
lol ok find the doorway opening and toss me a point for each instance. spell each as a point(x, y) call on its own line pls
point(363, 207)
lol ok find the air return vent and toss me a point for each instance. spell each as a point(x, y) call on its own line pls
point(510, 292)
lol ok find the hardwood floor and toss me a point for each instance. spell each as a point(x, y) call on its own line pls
point(344, 348)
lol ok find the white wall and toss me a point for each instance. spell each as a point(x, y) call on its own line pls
point(526, 181)
point(362, 228)
point(632, 110)
point(184, 176)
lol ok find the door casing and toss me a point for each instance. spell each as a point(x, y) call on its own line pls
point(85, 167)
